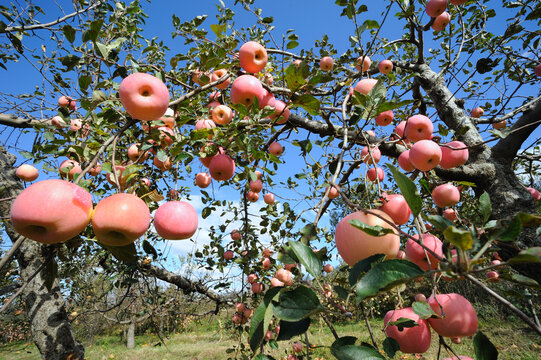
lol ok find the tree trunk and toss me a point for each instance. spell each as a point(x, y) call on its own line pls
point(50, 327)
point(130, 343)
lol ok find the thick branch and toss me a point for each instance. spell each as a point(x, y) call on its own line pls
point(17, 122)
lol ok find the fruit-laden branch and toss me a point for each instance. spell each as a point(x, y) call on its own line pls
point(187, 285)
point(18, 122)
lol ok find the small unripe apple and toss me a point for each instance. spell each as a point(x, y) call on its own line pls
point(365, 85)
point(418, 127)
point(452, 158)
point(222, 114)
point(477, 112)
point(203, 180)
point(375, 172)
point(363, 63)
point(328, 268)
point(144, 97)
point(385, 118)
point(275, 149)
point(228, 255)
point(268, 198)
point(253, 57)
point(385, 66)
point(236, 235)
point(326, 63)
point(27, 172)
point(371, 157)
point(222, 167)
point(167, 136)
point(425, 155)
point(176, 220)
point(441, 21)
point(404, 161)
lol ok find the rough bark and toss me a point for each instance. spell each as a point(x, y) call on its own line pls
point(50, 327)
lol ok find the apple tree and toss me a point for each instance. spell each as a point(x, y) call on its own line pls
point(437, 103)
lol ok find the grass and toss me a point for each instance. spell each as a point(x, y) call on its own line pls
point(208, 341)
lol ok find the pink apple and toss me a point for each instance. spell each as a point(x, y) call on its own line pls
point(425, 155)
point(252, 57)
point(228, 255)
point(281, 114)
point(499, 125)
point(95, 170)
point(418, 127)
point(267, 99)
point(326, 63)
point(363, 63)
point(173, 194)
point(385, 118)
point(256, 186)
point(375, 172)
point(266, 263)
point(252, 278)
point(460, 319)
point(252, 196)
point(66, 101)
point(401, 255)
point(144, 97)
point(136, 155)
point(222, 167)
point(452, 158)
point(397, 208)
point(328, 268)
point(162, 165)
point(51, 211)
point(27, 172)
point(203, 180)
point(477, 112)
point(275, 149)
point(449, 214)
point(167, 136)
point(404, 161)
point(267, 253)
point(371, 157)
point(445, 195)
point(333, 192)
point(435, 7)
point(284, 275)
point(69, 168)
point(120, 219)
point(365, 85)
point(76, 124)
point(245, 88)
point(222, 114)
point(416, 253)
point(176, 220)
point(276, 283)
point(146, 182)
point(58, 122)
point(493, 276)
point(257, 288)
point(411, 340)
point(297, 347)
point(268, 198)
point(385, 66)
point(216, 74)
point(495, 262)
point(236, 235)
point(441, 21)
point(535, 193)
point(420, 298)
point(211, 150)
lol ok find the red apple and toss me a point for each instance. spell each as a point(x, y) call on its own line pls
point(167, 136)
point(95, 170)
point(452, 158)
point(275, 149)
point(404, 161)
point(236, 235)
point(535, 193)
point(203, 180)
point(58, 122)
point(537, 70)
point(252, 196)
point(411, 340)
point(371, 174)
point(245, 88)
point(493, 276)
point(118, 171)
point(460, 318)
point(146, 182)
point(256, 186)
point(216, 74)
point(328, 268)
point(435, 7)
point(441, 21)
point(276, 283)
point(425, 155)
point(163, 165)
point(418, 127)
point(176, 220)
point(477, 112)
point(208, 149)
point(397, 208)
point(268, 198)
point(222, 114)
point(222, 167)
point(136, 155)
point(228, 255)
point(385, 66)
point(363, 63)
point(51, 211)
point(66, 101)
point(420, 298)
point(76, 124)
point(385, 118)
point(257, 288)
point(499, 125)
point(252, 57)
point(365, 85)
point(445, 195)
point(371, 157)
point(416, 253)
point(449, 214)
point(284, 275)
point(252, 278)
point(297, 347)
point(333, 192)
point(281, 110)
point(401, 255)
point(69, 168)
point(144, 97)
point(267, 253)
point(326, 63)
point(27, 172)
point(354, 244)
point(266, 263)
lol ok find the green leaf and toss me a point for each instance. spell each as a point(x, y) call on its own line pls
point(341, 292)
point(218, 29)
point(368, 24)
point(386, 275)
point(531, 255)
point(84, 82)
point(507, 230)
point(485, 206)
point(423, 309)
point(408, 190)
point(297, 304)
point(127, 253)
point(307, 257)
point(69, 33)
point(205, 213)
point(484, 349)
point(292, 44)
point(521, 279)
point(261, 318)
point(459, 237)
point(290, 329)
point(390, 346)
point(529, 219)
point(373, 230)
point(308, 232)
point(363, 266)
point(438, 221)
point(149, 249)
point(296, 75)
point(402, 323)
point(103, 49)
point(345, 349)
point(308, 103)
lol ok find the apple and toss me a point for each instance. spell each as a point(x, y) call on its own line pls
point(252, 57)
point(76, 124)
point(228, 255)
point(371, 157)
point(146, 182)
point(385, 118)
point(281, 114)
point(457, 2)
point(493, 276)
point(275, 149)
point(418, 127)
point(354, 244)
point(245, 88)
point(162, 165)
point(66, 101)
point(328, 268)
point(425, 155)
point(445, 195)
point(118, 171)
point(365, 85)
point(397, 208)
point(385, 66)
point(51, 211)
point(203, 180)
point(495, 262)
point(136, 155)
point(266, 263)
point(452, 158)
point(216, 74)
point(267, 99)
point(257, 288)
point(236, 235)
point(333, 192)
point(166, 136)
point(197, 77)
point(416, 253)
point(411, 340)
point(252, 278)
point(269, 79)
point(297, 347)
point(535, 193)
point(499, 125)
point(58, 122)
point(477, 112)
point(371, 174)
point(210, 149)
point(144, 97)
point(120, 219)
point(401, 255)
point(268, 198)
point(371, 133)
point(68, 168)
point(176, 220)
point(27, 172)
point(95, 170)
point(240, 307)
point(169, 118)
point(275, 282)
point(441, 21)
point(404, 161)
point(268, 335)
point(252, 196)
point(222, 114)
point(420, 298)
point(222, 167)
point(326, 63)
point(258, 174)
point(537, 70)
point(284, 276)
point(449, 214)
point(460, 318)
point(256, 186)
point(435, 7)
point(267, 253)
point(363, 63)
point(205, 124)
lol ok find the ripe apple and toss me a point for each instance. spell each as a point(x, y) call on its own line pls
point(354, 244)
point(371, 174)
point(203, 180)
point(69, 168)
point(365, 85)
point(404, 161)
point(281, 114)
point(363, 63)
point(275, 149)
point(289, 266)
point(411, 340)
point(245, 88)
point(169, 118)
point(120, 219)
point(167, 136)
point(66, 101)
point(449, 214)
point(266, 263)
point(452, 158)
point(144, 97)
point(441, 21)
point(222, 167)
point(252, 57)
point(477, 112)
point(269, 79)
point(328, 268)
point(385, 66)
point(267, 253)
point(146, 182)
point(163, 165)
point(252, 278)
point(385, 118)
point(333, 192)
point(499, 125)
point(418, 127)
point(276, 283)
point(284, 276)
point(51, 211)
point(136, 155)
point(27, 172)
point(95, 170)
point(175, 220)
point(435, 7)
point(420, 298)
point(445, 195)
point(267, 99)
point(268, 198)
point(252, 196)
point(236, 235)
point(535, 193)
point(460, 318)
point(401, 255)
point(76, 124)
point(257, 288)
point(326, 63)
point(397, 208)
point(374, 159)
point(222, 114)
point(58, 122)
point(216, 74)
point(210, 149)
point(256, 186)
point(228, 255)
point(425, 155)
point(537, 70)
point(416, 254)
point(493, 276)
